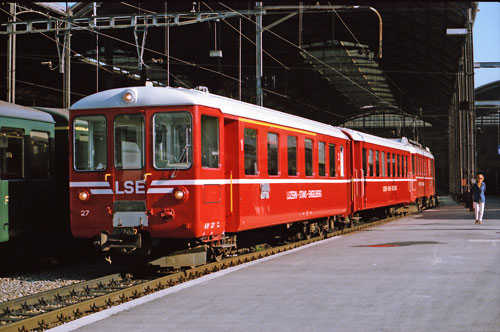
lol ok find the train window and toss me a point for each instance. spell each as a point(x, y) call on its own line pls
point(250, 140)
point(321, 158)
point(333, 158)
point(413, 164)
point(39, 164)
point(402, 166)
point(129, 133)
point(172, 137)
point(89, 139)
point(272, 154)
point(209, 141)
point(393, 165)
point(400, 159)
point(383, 163)
point(388, 164)
point(292, 155)
point(406, 165)
point(12, 153)
point(363, 160)
point(398, 165)
point(341, 161)
point(308, 152)
point(377, 163)
point(370, 162)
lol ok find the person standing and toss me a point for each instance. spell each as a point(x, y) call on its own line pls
point(478, 190)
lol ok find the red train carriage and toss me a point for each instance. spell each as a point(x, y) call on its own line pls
point(170, 163)
point(423, 189)
point(175, 163)
point(381, 173)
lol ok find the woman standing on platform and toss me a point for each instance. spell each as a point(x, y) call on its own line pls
point(478, 190)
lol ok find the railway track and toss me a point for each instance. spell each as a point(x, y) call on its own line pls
point(51, 308)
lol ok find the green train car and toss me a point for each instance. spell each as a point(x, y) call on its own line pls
point(33, 187)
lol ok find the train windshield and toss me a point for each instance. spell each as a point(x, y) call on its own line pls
point(89, 139)
point(172, 136)
point(129, 138)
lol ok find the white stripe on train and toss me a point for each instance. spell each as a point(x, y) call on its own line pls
point(160, 185)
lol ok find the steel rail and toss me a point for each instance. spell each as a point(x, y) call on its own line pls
point(56, 316)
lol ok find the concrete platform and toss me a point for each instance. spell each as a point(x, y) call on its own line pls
point(433, 271)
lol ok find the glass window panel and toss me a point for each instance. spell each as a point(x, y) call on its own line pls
point(333, 159)
point(388, 164)
point(370, 162)
point(12, 153)
point(173, 137)
point(308, 152)
point(129, 133)
point(398, 166)
point(250, 152)
point(292, 155)
point(377, 163)
point(341, 161)
point(363, 160)
point(89, 139)
point(321, 158)
point(39, 164)
point(272, 154)
point(209, 141)
point(393, 165)
point(383, 164)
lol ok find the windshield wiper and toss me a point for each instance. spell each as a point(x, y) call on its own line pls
point(184, 154)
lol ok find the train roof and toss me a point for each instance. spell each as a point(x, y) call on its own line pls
point(415, 147)
point(21, 112)
point(360, 136)
point(60, 115)
point(167, 96)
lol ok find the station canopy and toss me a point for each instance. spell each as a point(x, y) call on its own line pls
point(326, 64)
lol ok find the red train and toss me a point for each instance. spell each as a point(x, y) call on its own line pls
point(151, 163)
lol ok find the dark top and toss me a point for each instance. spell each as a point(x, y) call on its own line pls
point(478, 192)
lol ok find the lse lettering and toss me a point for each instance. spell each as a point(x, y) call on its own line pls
point(131, 187)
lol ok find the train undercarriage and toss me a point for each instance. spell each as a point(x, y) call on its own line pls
point(126, 244)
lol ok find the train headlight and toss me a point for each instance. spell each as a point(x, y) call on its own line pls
point(181, 194)
point(128, 96)
point(84, 195)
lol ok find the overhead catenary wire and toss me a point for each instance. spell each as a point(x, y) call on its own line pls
point(250, 40)
point(308, 53)
point(145, 48)
point(366, 48)
point(202, 67)
point(211, 70)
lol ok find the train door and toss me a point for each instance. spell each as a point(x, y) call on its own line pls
point(232, 175)
point(212, 214)
point(129, 175)
point(358, 176)
point(4, 210)
point(4, 193)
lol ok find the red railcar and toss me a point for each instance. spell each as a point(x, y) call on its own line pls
point(170, 163)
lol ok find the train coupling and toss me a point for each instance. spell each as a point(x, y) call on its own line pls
point(125, 239)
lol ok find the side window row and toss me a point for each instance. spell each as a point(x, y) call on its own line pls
point(386, 164)
point(251, 153)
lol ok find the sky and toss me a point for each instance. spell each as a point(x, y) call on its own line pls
point(487, 42)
